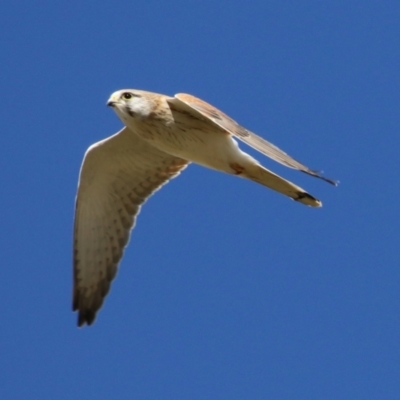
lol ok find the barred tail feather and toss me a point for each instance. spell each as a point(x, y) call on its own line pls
point(263, 176)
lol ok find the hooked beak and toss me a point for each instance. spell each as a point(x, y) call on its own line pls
point(112, 101)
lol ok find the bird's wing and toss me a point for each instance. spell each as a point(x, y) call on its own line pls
point(198, 107)
point(117, 175)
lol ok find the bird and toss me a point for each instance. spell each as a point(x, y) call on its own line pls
point(161, 136)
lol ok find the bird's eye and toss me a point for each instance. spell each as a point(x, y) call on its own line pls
point(127, 95)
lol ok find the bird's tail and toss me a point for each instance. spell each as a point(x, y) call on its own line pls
point(263, 176)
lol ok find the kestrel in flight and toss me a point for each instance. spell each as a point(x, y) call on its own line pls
point(162, 135)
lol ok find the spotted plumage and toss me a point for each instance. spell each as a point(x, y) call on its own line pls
point(162, 135)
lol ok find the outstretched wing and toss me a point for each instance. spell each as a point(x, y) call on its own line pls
point(118, 174)
point(195, 105)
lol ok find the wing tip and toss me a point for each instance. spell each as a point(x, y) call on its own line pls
point(333, 182)
point(86, 317)
point(86, 313)
point(318, 174)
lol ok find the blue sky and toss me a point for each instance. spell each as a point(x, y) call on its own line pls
point(227, 290)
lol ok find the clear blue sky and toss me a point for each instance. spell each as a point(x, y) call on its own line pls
point(227, 290)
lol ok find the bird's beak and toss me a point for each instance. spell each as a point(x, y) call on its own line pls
point(112, 101)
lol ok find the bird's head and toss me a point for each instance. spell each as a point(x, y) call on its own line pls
point(129, 103)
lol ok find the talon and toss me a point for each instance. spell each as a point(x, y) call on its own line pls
point(237, 168)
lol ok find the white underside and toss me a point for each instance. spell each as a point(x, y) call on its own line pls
point(219, 151)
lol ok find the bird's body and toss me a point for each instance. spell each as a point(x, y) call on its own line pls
point(184, 135)
point(162, 135)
